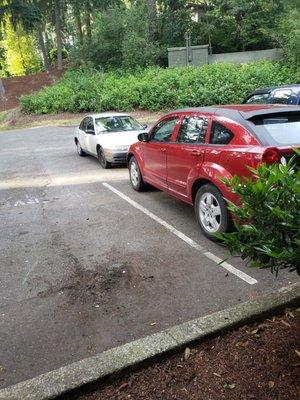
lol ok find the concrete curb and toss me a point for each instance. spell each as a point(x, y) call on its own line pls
point(73, 376)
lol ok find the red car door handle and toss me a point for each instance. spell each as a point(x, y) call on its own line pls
point(162, 149)
point(196, 153)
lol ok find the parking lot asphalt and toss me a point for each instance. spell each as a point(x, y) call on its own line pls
point(87, 264)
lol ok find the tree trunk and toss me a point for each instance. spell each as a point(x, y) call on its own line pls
point(152, 16)
point(46, 60)
point(209, 44)
point(88, 20)
point(76, 11)
point(58, 34)
point(2, 92)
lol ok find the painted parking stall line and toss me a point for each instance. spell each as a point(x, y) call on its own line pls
point(230, 268)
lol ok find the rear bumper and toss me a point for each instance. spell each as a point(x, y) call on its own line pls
point(115, 156)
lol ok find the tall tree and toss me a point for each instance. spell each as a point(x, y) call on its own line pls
point(43, 9)
point(152, 16)
point(21, 56)
point(77, 15)
point(40, 35)
point(19, 19)
point(57, 14)
point(241, 25)
point(88, 11)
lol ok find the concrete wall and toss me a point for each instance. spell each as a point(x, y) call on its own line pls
point(198, 55)
point(179, 56)
point(246, 56)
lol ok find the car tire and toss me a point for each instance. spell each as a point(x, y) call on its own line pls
point(135, 176)
point(211, 211)
point(80, 152)
point(102, 160)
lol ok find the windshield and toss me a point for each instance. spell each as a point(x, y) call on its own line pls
point(117, 124)
point(279, 129)
point(258, 99)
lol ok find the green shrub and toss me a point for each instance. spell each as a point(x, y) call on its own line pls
point(288, 34)
point(155, 88)
point(268, 221)
point(53, 54)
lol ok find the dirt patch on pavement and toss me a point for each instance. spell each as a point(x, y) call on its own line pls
point(90, 286)
point(259, 361)
point(98, 286)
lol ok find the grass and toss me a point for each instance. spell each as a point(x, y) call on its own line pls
point(16, 119)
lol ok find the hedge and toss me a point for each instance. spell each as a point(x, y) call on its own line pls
point(156, 88)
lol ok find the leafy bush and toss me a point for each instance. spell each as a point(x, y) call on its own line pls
point(268, 221)
point(137, 48)
point(19, 51)
point(120, 39)
point(289, 35)
point(53, 54)
point(155, 88)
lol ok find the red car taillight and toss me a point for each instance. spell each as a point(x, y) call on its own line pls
point(270, 156)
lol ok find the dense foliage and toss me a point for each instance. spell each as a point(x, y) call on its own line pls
point(136, 33)
point(268, 221)
point(289, 38)
point(156, 88)
point(21, 55)
point(143, 38)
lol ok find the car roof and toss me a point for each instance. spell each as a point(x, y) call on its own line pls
point(248, 111)
point(236, 110)
point(267, 90)
point(292, 85)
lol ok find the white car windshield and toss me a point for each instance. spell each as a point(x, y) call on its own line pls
point(117, 124)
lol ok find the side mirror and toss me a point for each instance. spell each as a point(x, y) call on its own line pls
point(145, 126)
point(143, 137)
point(90, 132)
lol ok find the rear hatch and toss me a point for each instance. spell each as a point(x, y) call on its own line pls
point(276, 127)
point(278, 130)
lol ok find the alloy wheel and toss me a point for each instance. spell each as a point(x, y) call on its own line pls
point(134, 174)
point(210, 212)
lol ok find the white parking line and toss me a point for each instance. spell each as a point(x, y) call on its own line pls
point(183, 237)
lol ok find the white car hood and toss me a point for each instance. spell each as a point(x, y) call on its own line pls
point(113, 139)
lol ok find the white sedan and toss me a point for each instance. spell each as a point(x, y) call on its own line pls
point(107, 136)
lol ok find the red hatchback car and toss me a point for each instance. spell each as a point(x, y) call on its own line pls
point(187, 151)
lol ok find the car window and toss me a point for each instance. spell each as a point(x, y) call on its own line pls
point(117, 124)
point(192, 130)
point(282, 96)
point(279, 129)
point(90, 124)
point(163, 131)
point(220, 134)
point(83, 123)
point(258, 99)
